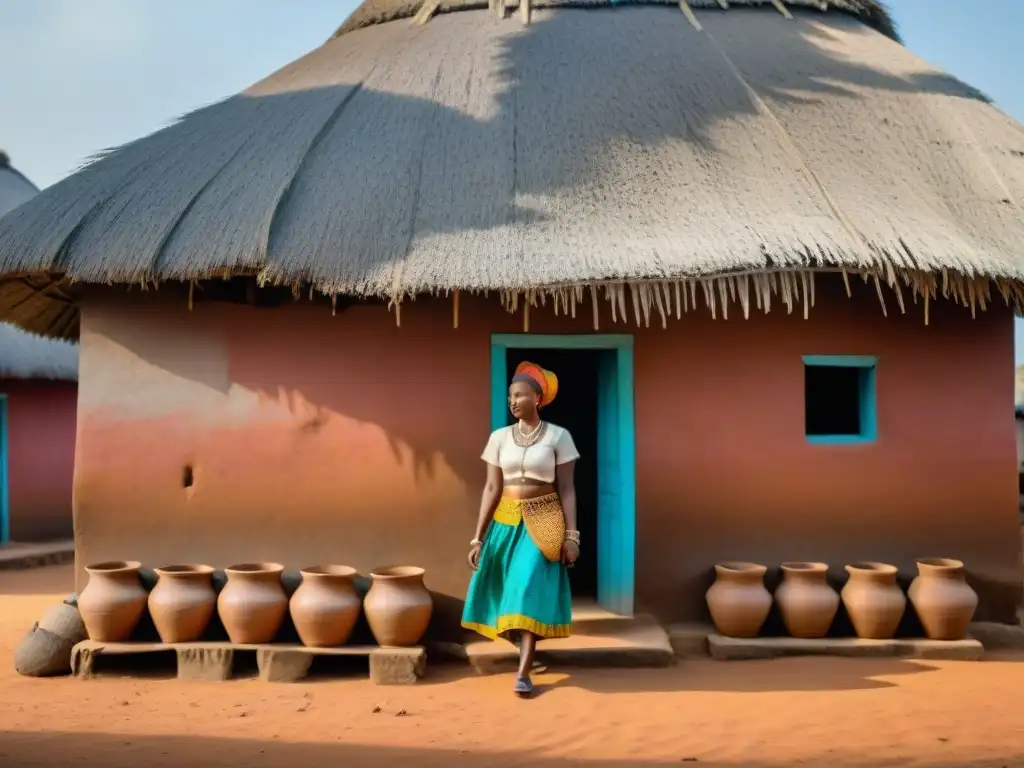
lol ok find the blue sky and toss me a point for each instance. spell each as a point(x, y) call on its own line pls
point(84, 75)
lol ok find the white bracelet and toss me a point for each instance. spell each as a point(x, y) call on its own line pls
point(476, 543)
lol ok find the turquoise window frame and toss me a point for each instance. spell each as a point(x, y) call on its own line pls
point(867, 391)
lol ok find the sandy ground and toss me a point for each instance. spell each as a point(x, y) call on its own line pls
point(825, 712)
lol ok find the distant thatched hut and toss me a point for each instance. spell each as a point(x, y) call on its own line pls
point(618, 193)
point(38, 394)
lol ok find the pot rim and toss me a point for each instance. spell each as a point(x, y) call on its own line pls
point(338, 571)
point(804, 566)
point(940, 563)
point(114, 566)
point(185, 569)
point(387, 572)
point(254, 568)
point(871, 566)
point(739, 566)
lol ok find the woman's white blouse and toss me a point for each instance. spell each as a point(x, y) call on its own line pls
point(535, 462)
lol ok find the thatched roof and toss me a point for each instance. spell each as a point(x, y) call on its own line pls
point(25, 355)
point(637, 147)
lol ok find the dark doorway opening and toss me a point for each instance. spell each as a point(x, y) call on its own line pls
point(575, 409)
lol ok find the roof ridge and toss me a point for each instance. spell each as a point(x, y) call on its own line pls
point(873, 13)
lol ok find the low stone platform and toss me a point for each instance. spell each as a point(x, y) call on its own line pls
point(735, 649)
point(690, 640)
point(277, 663)
point(998, 637)
point(635, 644)
point(16, 556)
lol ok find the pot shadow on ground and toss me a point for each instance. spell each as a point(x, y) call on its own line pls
point(20, 749)
point(789, 675)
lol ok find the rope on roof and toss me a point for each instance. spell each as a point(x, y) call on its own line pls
point(689, 14)
point(428, 9)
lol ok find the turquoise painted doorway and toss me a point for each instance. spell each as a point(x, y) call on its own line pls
point(595, 403)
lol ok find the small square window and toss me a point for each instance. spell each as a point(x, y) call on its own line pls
point(839, 399)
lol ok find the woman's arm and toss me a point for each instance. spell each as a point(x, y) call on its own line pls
point(564, 474)
point(489, 500)
point(567, 493)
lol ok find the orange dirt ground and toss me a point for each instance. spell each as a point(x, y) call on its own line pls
point(824, 712)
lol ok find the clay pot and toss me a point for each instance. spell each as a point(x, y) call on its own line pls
point(182, 602)
point(944, 601)
point(806, 601)
point(113, 601)
point(398, 605)
point(738, 600)
point(253, 603)
point(873, 600)
point(326, 606)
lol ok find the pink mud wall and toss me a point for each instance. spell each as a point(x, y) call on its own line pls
point(41, 457)
point(319, 439)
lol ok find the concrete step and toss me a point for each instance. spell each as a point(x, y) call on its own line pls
point(589, 618)
point(635, 644)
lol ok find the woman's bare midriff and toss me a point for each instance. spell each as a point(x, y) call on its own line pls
point(527, 490)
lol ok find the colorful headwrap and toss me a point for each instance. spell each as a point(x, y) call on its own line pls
point(544, 383)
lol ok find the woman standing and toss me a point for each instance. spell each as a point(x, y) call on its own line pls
point(526, 533)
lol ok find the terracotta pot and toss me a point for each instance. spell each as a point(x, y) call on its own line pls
point(326, 606)
point(182, 602)
point(873, 600)
point(738, 600)
point(398, 605)
point(944, 601)
point(806, 601)
point(113, 601)
point(253, 603)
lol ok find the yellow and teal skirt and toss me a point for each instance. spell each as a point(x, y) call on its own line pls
point(516, 587)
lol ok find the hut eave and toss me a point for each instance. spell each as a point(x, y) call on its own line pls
point(615, 300)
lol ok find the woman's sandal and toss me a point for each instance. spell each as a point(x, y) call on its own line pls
point(523, 687)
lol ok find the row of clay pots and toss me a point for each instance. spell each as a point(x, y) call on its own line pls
point(740, 603)
point(253, 603)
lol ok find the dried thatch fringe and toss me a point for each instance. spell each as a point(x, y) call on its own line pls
point(719, 292)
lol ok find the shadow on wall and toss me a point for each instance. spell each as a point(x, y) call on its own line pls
point(306, 380)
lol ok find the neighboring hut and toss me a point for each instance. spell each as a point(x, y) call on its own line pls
point(618, 193)
point(38, 397)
